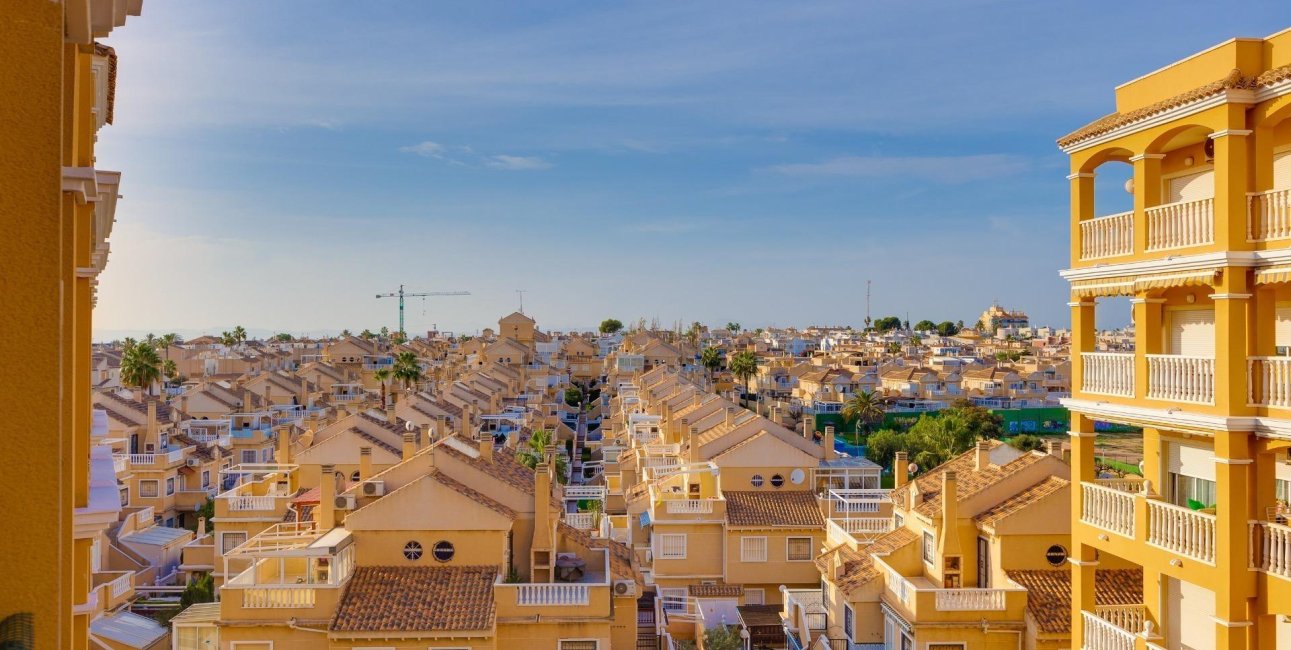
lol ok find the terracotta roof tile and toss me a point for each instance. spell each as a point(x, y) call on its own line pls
point(473, 495)
point(1021, 500)
point(1049, 593)
point(766, 508)
point(417, 599)
point(722, 590)
point(620, 554)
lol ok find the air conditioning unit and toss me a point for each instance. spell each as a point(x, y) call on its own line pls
point(192, 462)
point(345, 502)
point(625, 588)
point(374, 488)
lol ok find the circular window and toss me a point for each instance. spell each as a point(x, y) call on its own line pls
point(1056, 555)
point(355, 476)
point(797, 477)
point(412, 551)
point(777, 480)
point(443, 551)
point(756, 480)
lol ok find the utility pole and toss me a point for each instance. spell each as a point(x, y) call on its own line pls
point(867, 304)
point(401, 294)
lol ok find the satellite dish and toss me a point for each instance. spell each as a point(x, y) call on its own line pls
point(409, 426)
point(914, 467)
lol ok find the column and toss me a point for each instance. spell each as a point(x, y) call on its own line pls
point(1147, 338)
point(1232, 299)
point(1147, 193)
point(1084, 336)
point(1084, 566)
point(1234, 584)
point(1233, 179)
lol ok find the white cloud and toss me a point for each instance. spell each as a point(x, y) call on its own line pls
point(428, 149)
point(517, 163)
point(939, 169)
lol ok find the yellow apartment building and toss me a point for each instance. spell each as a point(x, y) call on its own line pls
point(1204, 259)
point(58, 208)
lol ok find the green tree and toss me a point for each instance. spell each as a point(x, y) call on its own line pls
point(981, 422)
point(385, 332)
point(610, 326)
point(283, 337)
point(894, 348)
point(882, 446)
point(383, 375)
point(925, 326)
point(711, 359)
point(167, 340)
point(367, 334)
point(228, 339)
point(169, 369)
point(140, 366)
point(239, 334)
point(723, 637)
point(865, 408)
point(407, 369)
point(1026, 442)
point(534, 451)
point(573, 396)
point(947, 328)
point(733, 328)
point(887, 323)
point(744, 365)
point(345, 333)
point(398, 338)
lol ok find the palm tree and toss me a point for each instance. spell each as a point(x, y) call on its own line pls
point(734, 328)
point(535, 450)
point(169, 369)
point(140, 366)
point(407, 369)
point(367, 334)
point(167, 340)
point(345, 333)
point(711, 359)
point(866, 408)
point(383, 375)
point(239, 334)
point(744, 365)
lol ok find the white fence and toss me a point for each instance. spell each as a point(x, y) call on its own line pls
point(537, 595)
point(1176, 378)
point(1101, 634)
point(1107, 508)
point(1107, 236)
point(1268, 215)
point(1182, 224)
point(970, 600)
point(1268, 381)
point(1107, 373)
point(1182, 530)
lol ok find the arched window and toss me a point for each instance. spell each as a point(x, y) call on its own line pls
point(412, 551)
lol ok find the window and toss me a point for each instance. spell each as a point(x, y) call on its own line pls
point(170, 486)
point(580, 644)
point(230, 541)
point(756, 481)
point(443, 551)
point(983, 563)
point(249, 456)
point(946, 646)
point(1190, 490)
point(125, 496)
point(898, 520)
point(148, 488)
point(798, 549)
point(670, 546)
point(929, 546)
point(412, 551)
point(755, 596)
point(354, 478)
point(206, 478)
point(849, 622)
point(777, 480)
point(753, 549)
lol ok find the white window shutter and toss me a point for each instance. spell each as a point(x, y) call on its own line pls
point(1192, 332)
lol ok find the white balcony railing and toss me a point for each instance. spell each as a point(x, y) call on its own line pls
point(1268, 381)
point(552, 594)
point(864, 525)
point(121, 585)
point(1107, 373)
point(1107, 236)
point(1268, 215)
point(1271, 548)
point(120, 463)
point(1126, 617)
point(1182, 224)
point(1101, 634)
point(250, 503)
point(277, 597)
point(689, 506)
point(1107, 508)
point(1182, 530)
point(1176, 378)
point(581, 520)
point(970, 600)
point(142, 459)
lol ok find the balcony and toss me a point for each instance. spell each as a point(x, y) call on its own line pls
point(1181, 225)
point(1182, 530)
point(1108, 236)
point(1271, 548)
point(1268, 215)
point(863, 528)
point(925, 600)
point(1268, 381)
point(1102, 634)
point(1175, 378)
point(291, 566)
point(1107, 507)
point(1108, 373)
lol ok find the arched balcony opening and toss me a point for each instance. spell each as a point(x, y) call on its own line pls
point(1104, 207)
point(1177, 179)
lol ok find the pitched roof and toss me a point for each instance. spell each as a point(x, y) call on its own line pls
point(620, 554)
point(474, 495)
point(858, 566)
point(969, 479)
point(1049, 593)
point(796, 508)
point(417, 599)
point(1021, 500)
point(503, 466)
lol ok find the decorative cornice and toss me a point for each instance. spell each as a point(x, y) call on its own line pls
point(1082, 303)
point(1072, 177)
point(1229, 296)
point(82, 182)
point(1083, 563)
point(1233, 461)
point(1226, 132)
point(1147, 156)
point(1147, 301)
point(1276, 90)
point(1242, 96)
point(1199, 262)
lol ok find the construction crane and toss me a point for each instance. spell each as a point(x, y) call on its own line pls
point(401, 294)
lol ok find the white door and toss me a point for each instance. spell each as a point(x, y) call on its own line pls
point(1189, 609)
point(1191, 187)
point(1192, 332)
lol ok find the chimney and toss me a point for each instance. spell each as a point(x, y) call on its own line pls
point(694, 445)
point(390, 417)
point(808, 426)
point(284, 446)
point(983, 455)
point(201, 527)
point(730, 415)
point(151, 437)
point(829, 443)
point(542, 525)
point(1053, 448)
point(183, 403)
point(325, 513)
point(246, 401)
point(302, 394)
point(268, 393)
point(486, 448)
point(948, 541)
point(696, 398)
point(365, 463)
point(409, 444)
point(441, 427)
point(426, 440)
point(901, 469)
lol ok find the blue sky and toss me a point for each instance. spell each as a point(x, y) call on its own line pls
point(757, 162)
